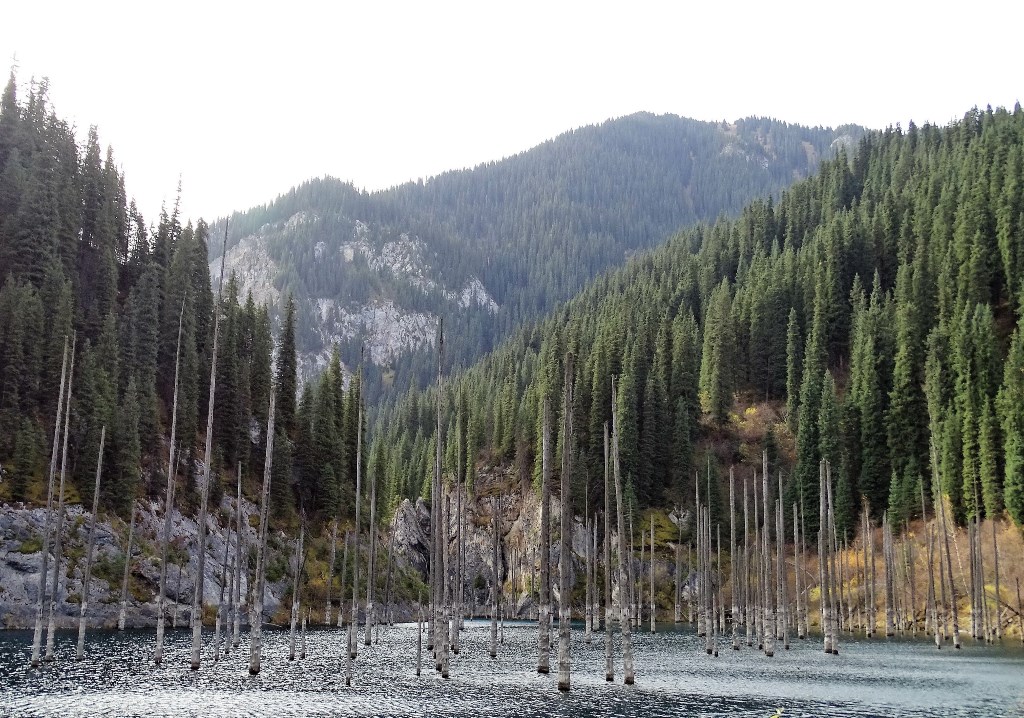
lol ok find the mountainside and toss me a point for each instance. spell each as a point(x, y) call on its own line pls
point(491, 247)
point(870, 317)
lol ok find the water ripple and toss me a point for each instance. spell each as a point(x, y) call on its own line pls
point(674, 677)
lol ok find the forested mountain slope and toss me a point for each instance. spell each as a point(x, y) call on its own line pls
point(878, 300)
point(491, 247)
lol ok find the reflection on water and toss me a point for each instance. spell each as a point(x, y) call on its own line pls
point(674, 678)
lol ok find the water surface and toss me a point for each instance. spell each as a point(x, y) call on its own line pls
point(674, 677)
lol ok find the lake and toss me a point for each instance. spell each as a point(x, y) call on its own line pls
point(674, 677)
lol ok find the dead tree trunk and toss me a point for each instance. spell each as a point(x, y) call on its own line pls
point(341, 592)
point(609, 661)
point(127, 571)
point(995, 558)
point(236, 602)
point(732, 560)
point(44, 556)
point(197, 600)
point(769, 604)
point(653, 607)
point(51, 628)
point(495, 528)
point(256, 609)
point(295, 588)
point(353, 624)
point(224, 578)
point(826, 623)
point(88, 552)
point(544, 619)
point(158, 653)
point(371, 574)
point(330, 571)
point(627, 641)
point(949, 572)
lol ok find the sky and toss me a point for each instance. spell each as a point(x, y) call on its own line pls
point(242, 101)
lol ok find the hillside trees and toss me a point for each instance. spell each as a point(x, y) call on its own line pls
point(873, 298)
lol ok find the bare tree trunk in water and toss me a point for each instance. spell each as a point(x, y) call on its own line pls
point(769, 604)
point(224, 578)
point(124, 583)
point(353, 624)
point(158, 653)
point(330, 571)
point(747, 559)
point(544, 619)
point(732, 560)
point(177, 597)
point(830, 535)
point(296, 608)
point(609, 661)
point(371, 573)
point(798, 566)
point(256, 609)
point(949, 571)
point(197, 601)
point(495, 528)
point(995, 558)
point(627, 642)
point(344, 569)
point(391, 566)
point(237, 595)
point(1020, 613)
point(37, 636)
point(88, 552)
point(419, 638)
point(826, 623)
point(51, 628)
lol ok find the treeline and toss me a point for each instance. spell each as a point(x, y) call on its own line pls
point(534, 228)
point(78, 260)
point(879, 301)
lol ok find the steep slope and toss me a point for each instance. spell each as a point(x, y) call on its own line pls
point(490, 247)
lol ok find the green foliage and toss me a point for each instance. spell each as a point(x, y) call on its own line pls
point(875, 279)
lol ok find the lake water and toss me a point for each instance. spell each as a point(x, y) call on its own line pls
point(674, 677)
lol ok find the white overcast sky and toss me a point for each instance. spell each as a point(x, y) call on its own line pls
point(244, 100)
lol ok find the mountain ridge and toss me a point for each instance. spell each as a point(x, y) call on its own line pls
point(504, 241)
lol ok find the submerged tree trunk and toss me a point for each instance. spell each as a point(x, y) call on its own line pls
point(296, 607)
point(732, 560)
point(493, 651)
point(544, 617)
point(236, 602)
point(197, 600)
point(256, 609)
point(88, 552)
point(627, 642)
point(565, 552)
point(995, 558)
point(344, 569)
point(609, 661)
point(391, 566)
point(830, 536)
point(769, 604)
point(826, 623)
point(224, 579)
point(371, 573)
point(124, 583)
point(51, 628)
point(37, 636)
point(949, 571)
point(353, 624)
point(330, 571)
point(158, 652)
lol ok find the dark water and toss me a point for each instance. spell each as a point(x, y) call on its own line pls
point(674, 678)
